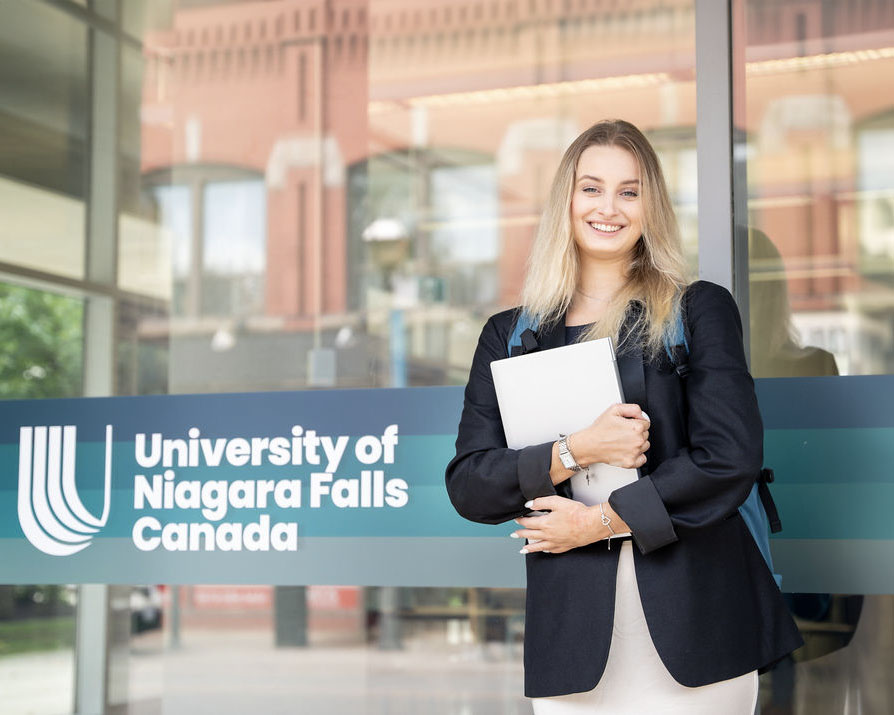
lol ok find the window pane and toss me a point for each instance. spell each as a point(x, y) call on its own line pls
point(40, 344)
point(816, 146)
point(820, 187)
point(43, 138)
point(337, 196)
point(40, 357)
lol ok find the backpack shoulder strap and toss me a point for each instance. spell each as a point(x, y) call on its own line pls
point(677, 345)
point(522, 339)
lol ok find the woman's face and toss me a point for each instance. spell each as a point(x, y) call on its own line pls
point(606, 209)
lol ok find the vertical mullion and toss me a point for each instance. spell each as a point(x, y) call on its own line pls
point(720, 148)
point(713, 137)
point(93, 627)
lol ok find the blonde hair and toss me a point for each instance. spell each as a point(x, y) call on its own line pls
point(656, 275)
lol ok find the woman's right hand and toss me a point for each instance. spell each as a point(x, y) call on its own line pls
point(619, 436)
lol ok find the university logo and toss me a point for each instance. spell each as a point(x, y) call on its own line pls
point(50, 511)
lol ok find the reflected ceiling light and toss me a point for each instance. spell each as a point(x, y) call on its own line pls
point(526, 92)
point(813, 62)
point(629, 81)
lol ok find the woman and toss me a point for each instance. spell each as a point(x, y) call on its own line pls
point(682, 622)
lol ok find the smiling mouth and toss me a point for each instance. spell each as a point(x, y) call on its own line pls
point(605, 227)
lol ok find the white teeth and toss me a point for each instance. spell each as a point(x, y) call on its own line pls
point(605, 228)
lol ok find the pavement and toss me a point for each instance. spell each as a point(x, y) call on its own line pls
point(238, 671)
point(242, 672)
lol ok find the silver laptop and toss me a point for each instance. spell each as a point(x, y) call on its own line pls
point(559, 391)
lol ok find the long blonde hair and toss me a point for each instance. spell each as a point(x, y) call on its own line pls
point(656, 275)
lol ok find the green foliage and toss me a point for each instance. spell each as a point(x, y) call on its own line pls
point(40, 344)
point(35, 634)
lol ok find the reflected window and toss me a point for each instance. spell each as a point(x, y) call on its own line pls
point(465, 229)
point(44, 103)
point(233, 247)
point(444, 204)
point(215, 234)
point(175, 221)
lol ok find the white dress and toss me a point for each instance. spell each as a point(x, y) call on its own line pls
point(635, 680)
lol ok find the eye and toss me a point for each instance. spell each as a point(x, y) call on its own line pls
point(629, 194)
point(591, 189)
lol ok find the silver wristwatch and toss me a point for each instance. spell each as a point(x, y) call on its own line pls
point(568, 460)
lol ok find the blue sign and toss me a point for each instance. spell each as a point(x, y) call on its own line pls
point(301, 487)
point(347, 487)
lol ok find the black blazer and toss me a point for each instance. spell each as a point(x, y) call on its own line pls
point(712, 606)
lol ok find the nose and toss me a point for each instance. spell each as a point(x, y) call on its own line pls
point(606, 204)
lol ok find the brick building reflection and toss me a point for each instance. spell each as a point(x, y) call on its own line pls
point(448, 118)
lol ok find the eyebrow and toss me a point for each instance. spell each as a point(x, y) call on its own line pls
point(587, 177)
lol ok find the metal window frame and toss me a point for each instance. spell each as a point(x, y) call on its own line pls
point(720, 137)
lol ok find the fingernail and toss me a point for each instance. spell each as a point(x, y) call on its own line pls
point(523, 551)
point(513, 535)
point(545, 551)
point(646, 417)
point(529, 504)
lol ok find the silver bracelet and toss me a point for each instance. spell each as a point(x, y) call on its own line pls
point(606, 521)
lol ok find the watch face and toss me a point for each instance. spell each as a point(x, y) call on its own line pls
point(565, 456)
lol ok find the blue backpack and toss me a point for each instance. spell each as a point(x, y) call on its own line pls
point(758, 510)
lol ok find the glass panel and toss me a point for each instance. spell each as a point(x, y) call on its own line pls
point(335, 195)
point(337, 198)
point(403, 173)
point(820, 186)
point(43, 138)
point(40, 356)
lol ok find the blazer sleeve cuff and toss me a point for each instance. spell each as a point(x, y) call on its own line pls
point(533, 471)
point(640, 506)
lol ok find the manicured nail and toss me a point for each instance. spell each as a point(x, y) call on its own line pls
point(646, 417)
point(513, 535)
point(523, 551)
point(529, 504)
point(547, 552)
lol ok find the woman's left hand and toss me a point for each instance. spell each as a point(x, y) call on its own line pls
point(566, 525)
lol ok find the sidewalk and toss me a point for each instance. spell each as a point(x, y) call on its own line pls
point(240, 673)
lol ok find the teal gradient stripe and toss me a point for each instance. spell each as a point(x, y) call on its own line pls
point(822, 472)
point(809, 456)
point(835, 511)
point(807, 565)
point(368, 561)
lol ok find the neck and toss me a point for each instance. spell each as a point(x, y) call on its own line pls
point(597, 285)
point(601, 281)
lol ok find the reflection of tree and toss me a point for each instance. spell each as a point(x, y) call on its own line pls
point(40, 344)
